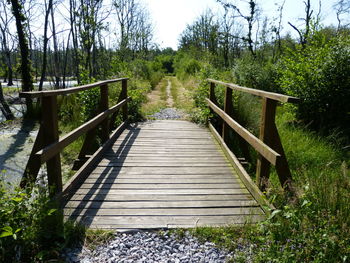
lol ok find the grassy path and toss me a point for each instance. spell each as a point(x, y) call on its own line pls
point(169, 93)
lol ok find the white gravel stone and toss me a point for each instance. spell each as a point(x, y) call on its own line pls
point(148, 247)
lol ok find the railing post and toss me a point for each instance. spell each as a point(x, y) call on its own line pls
point(50, 135)
point(104, 106)
point(266, 126)
point(269, 135)
point(124, 95)
point(228, 108)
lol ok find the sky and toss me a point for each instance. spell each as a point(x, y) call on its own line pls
point(170, 17)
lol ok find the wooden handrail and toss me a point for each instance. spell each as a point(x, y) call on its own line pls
point(260, 93)
point(48, 145)
point(269, 144)
point(268, 153)
point(57, 92)
point(51, 150)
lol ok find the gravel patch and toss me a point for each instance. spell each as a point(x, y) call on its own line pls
point(149, 247)
point(168, 114)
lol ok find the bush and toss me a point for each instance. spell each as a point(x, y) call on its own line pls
point(255, 73)
point(186, 66)
point(26, 226)
point(320, 76)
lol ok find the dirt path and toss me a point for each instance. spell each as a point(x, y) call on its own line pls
point(169, 100)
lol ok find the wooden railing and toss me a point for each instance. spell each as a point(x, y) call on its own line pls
point(268, 145)
point(48, 144)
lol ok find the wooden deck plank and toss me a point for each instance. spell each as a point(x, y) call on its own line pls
point(176, 180)
point(159, 204)
point(157, 198)
point(144, 186)
point(212, 211)
point(165, 170)
point(151, 222)
point(162, 174)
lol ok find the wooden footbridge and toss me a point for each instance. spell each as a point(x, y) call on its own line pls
point(157, 174)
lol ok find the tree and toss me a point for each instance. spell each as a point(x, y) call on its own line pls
point(26, 65)
point(4, 107)
point(249, 18)
point(48, 9)
point(304, 34)
point(342, 8)
point(5, 21)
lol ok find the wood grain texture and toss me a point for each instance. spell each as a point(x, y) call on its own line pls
point(57, 92)
point(256, 92)
point(266, 151)
point(162, 174)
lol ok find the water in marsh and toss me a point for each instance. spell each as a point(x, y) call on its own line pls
point(18, 108)
point(16, 138)
point(16, 142)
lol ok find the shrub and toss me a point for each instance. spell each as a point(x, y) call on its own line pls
point(26, 221)
point(256, 74)
point(320, 76)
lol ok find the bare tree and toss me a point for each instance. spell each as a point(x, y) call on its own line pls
point(304, 34)
point(277, 30)
point(342, 8)
point(126, 15)
point(73, 16)
point(249, 18)
point(5, 21)
point(56, 63)
point(48, 9)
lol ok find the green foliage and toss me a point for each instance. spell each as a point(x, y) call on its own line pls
point(29, 226)
point(165, 63)
point(320, 76)
point(89, 101)
point(186, 66)
point(254, 73)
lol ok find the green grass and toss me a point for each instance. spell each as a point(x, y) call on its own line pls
point(156, 100)
point(163, 86)
point(10, 90)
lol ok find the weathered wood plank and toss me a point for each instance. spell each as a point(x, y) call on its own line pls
point(163, 164)
point(159, 204)
point(129, 222)
point(164, 192)
point(164, 180)
point(145, 186)
point(48, 93)
point(169, 177)
point(256, 92)
point(164, 170)
point(159, 197)
point(165, 211)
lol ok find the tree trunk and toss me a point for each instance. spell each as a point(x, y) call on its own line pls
point(46, 40)
point(26, 66)
point(4, 107)
point(55, 54)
